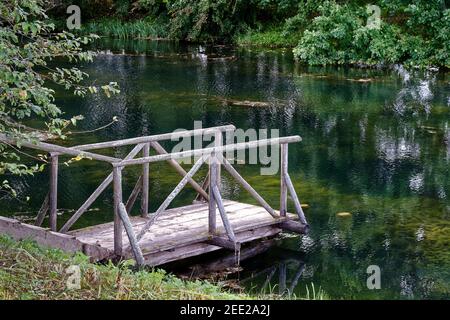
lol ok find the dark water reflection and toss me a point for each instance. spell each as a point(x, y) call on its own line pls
point(375, 143)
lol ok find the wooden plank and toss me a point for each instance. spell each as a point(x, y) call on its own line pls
point(117, 181)
point(160, 150)
point(138, 257)
point(294, 226)
point(224, 243)
point(22, 231)
point(191, 232)
point(196, 235)
point(177, 229)
point(102, 187)
point(53, 199)
point(105, 228)
point(208, 151)
point(195, 249)
point(248, 187)
point(173, 217)
point(145, 182)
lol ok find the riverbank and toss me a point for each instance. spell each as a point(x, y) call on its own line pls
point(28, 271)
point(320, 32)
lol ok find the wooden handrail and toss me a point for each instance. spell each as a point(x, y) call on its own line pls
point(52, 148)
point(208, 151)
point(156, 137)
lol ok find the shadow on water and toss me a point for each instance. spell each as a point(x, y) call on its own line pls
point(376, 144)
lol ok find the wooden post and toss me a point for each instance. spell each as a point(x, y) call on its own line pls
point(131, 235)
point(218, 143)
point(117, 181)
point(298, 206)
point(283, 187)
point(145, 182)
point(53, 192)
point(212, 199)
point(223, 214)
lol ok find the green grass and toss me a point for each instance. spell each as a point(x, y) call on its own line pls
point(273, 38)
point(137, 29)
point(29, 271)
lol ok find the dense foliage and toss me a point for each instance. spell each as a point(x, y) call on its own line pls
point(414, 32)
point(27, 45)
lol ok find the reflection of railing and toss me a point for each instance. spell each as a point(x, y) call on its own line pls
point(279, 264)
point(212, 155)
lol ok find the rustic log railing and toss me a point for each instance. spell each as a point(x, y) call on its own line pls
point(212, 155)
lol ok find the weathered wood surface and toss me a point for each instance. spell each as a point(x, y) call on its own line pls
point(187, 227)
point(199, 248)
point(298, 206)
point(138, 257)
point(134, 195)
point(53, 200)
point(117, 224)
point(58, 149)
point(157, 137)
point(145, 181)
point(223, 215)
point(21, 231)
point(209, 150)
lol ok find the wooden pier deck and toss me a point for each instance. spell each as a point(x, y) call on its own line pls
point(183, 232)
point(211, 223)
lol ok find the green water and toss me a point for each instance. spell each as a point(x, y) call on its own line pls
point(378, 149)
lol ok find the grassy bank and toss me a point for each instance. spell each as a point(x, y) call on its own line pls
point(322, 32)
point(28, 271)
point(136, 29)
point(272, 38)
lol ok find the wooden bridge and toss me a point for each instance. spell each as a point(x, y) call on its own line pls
point(168, 234)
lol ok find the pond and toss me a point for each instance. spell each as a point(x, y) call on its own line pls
point(376, 144)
